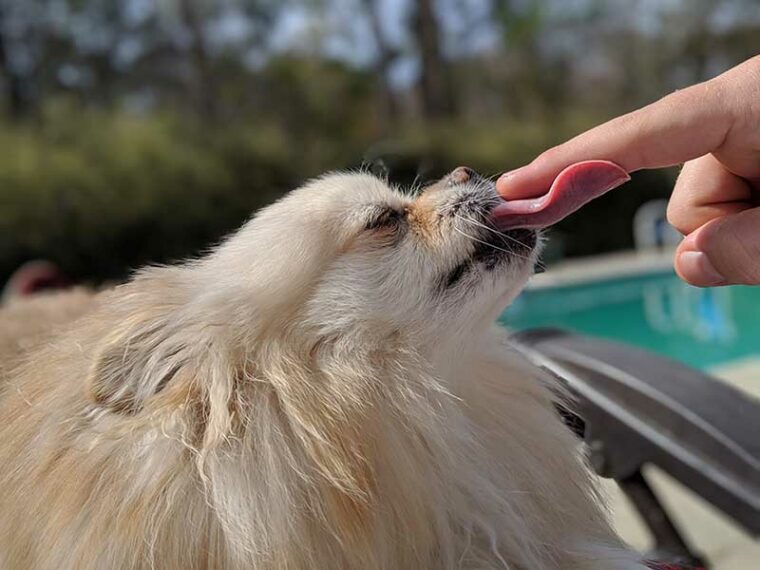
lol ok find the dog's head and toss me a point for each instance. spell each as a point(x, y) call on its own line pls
point(347, 252)
point(344, 261)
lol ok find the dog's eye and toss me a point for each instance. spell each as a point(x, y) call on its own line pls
point(383, 218)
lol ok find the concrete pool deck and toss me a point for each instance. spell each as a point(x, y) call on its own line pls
point(605, 266)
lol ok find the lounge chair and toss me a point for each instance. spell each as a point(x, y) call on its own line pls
point(633, 408)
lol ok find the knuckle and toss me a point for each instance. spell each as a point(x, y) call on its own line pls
point(735, 247)
point(684, 212)
point(680, 212)
point(677, 217)
point(549, 159)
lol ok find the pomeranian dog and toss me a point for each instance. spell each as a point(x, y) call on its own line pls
point(324, 390)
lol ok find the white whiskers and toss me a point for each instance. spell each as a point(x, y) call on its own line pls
point(500, 234)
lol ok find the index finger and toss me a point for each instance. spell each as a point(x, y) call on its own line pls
point(679, 127)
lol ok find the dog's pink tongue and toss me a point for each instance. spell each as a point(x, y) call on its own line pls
point(575, 186)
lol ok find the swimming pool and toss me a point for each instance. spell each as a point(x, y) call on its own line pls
point(656, 311)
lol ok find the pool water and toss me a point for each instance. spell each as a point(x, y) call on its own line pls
point(657, 311)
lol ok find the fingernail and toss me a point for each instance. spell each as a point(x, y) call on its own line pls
point(696, 268)
point(504, 178)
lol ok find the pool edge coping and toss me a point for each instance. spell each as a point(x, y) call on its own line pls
point(604, 267)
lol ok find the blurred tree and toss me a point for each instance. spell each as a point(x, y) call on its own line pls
point(193, 21)
point(386, 54)
point(22, 40)
point(521, 24)
point(103, 50)
point(16, 98)
point(435, 84)
point(214, 29)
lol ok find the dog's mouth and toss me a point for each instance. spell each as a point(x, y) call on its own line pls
point(495, 239)
point(495, 247)
point(471, 203)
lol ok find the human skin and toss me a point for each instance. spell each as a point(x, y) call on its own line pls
point(713, 128)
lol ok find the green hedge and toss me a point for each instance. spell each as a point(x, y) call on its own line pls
point(100, 194)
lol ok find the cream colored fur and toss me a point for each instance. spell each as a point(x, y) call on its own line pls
point(29, 320)
point(307, 396)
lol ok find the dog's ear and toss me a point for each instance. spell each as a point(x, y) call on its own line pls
point(137, 361)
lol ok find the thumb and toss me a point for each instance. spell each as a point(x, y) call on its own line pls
point(724, 251)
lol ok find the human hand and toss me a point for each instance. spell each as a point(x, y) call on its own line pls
point(714, 128)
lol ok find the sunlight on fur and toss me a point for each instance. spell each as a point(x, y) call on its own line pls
point(324, 390)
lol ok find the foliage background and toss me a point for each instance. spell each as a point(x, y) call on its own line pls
point(137, 131)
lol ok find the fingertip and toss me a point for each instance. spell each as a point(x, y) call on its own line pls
point(695, 268)
point(691, 262)
point(503, 189)
point(504, 184)
point(520, 183)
